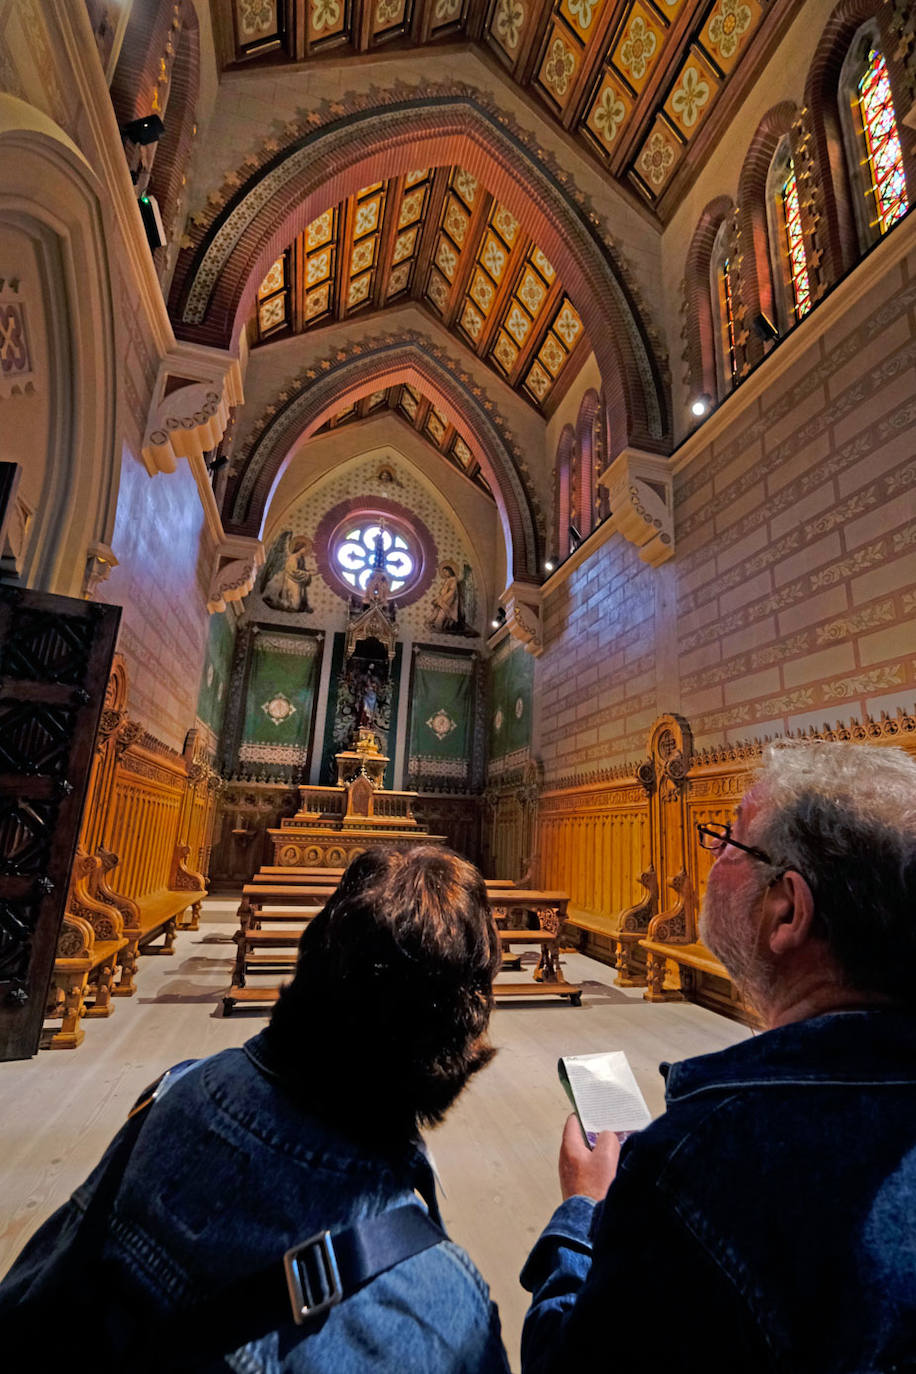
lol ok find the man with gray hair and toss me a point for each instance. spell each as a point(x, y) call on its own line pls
point(767, 1221)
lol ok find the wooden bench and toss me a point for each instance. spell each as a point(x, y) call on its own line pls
point(257, 896)
point(160, 910)
point(550, 909)
point(674, 973)
point(88, 946)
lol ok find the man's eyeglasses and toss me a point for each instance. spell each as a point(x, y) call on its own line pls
point(716, 836)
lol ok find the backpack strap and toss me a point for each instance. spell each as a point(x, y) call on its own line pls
point(312, 1278)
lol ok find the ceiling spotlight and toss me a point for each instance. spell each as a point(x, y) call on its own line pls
point(548, 566)
point(700, 406)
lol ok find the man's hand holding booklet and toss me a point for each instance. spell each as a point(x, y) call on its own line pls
point(604, 1094)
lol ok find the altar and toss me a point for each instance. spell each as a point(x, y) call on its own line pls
point(335, 824)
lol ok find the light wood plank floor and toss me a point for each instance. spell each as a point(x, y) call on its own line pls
point(496, 1153)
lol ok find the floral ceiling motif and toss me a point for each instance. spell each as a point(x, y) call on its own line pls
point(634, 80)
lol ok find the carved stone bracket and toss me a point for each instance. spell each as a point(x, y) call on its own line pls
point(640, 493)
point(522, 604)
point(194, 394)
point(99, 562)
point(234, 571)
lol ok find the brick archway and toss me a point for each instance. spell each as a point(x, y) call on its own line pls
point(757, 286)
point(217, 276)
point(701, 323)
point(315, 398)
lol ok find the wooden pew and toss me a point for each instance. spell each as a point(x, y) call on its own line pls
point(258, 896)
point(550, 908)
point(260, 949)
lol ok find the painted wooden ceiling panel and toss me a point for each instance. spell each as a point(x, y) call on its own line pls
point(422, 415)
point(472, 266)
point(633, 80)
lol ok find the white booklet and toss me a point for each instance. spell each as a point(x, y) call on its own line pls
point(604, 1093)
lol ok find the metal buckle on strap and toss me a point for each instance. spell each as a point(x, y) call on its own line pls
point(312, 1277)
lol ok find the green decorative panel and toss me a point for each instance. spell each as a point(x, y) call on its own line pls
point(511, 690)
point(214, 685)
point(441, 720)
point(279, 705)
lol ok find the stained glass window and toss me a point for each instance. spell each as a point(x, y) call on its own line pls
point(882, 142)
point(727, 318)
point(795, 244)
point(365, 547)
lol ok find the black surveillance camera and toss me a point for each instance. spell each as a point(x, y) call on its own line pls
point(149, 129)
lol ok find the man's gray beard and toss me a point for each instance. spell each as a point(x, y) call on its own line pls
point(726, 940)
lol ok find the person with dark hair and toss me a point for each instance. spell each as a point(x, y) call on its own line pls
point(766, 1221)
point(265, 1215)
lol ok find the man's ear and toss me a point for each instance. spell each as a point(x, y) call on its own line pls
point(789, 913)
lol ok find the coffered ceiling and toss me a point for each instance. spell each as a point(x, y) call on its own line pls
point(435, 236)
point(635, 82)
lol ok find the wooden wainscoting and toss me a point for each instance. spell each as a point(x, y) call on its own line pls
point(624, 846)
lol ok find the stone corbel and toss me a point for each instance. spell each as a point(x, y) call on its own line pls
point(194, 394)
point(640, 491)
point(522, 604)
point(99, 562)
point(234, 571)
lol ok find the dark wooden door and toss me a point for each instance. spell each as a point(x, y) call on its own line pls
point(55, 657)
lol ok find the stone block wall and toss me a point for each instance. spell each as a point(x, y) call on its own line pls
point(791, 598)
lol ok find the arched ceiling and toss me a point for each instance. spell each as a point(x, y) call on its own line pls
point(397, 365)
point(635, 82)
point(410, 406)
point(437, 236)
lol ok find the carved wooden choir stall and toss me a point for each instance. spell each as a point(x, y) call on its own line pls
point(624, 845)
point(138, 871)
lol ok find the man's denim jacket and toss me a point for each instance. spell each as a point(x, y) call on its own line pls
point(767, 1221)
point(227, 1174)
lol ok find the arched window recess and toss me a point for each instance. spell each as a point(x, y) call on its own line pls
point(872, 138)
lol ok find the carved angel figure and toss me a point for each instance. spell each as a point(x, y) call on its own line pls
point(286, 577)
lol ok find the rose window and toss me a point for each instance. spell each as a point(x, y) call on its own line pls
point(364, 548)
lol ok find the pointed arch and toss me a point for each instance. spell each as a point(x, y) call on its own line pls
point(315, 398)
point(563, 488)
point(51, 196)
point(757, 285)
point(701, 320)
point(838, 234)
point(216, 278)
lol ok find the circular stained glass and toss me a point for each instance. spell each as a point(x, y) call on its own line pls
point(363, 547)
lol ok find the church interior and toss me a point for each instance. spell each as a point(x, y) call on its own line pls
point(484, 422)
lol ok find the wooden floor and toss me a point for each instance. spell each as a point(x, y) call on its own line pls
point(496, 1153)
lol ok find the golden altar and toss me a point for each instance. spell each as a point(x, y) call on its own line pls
point(335, 824)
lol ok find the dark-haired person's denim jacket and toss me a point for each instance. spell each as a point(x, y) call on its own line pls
point(767, 1221)
point(227, 1174)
